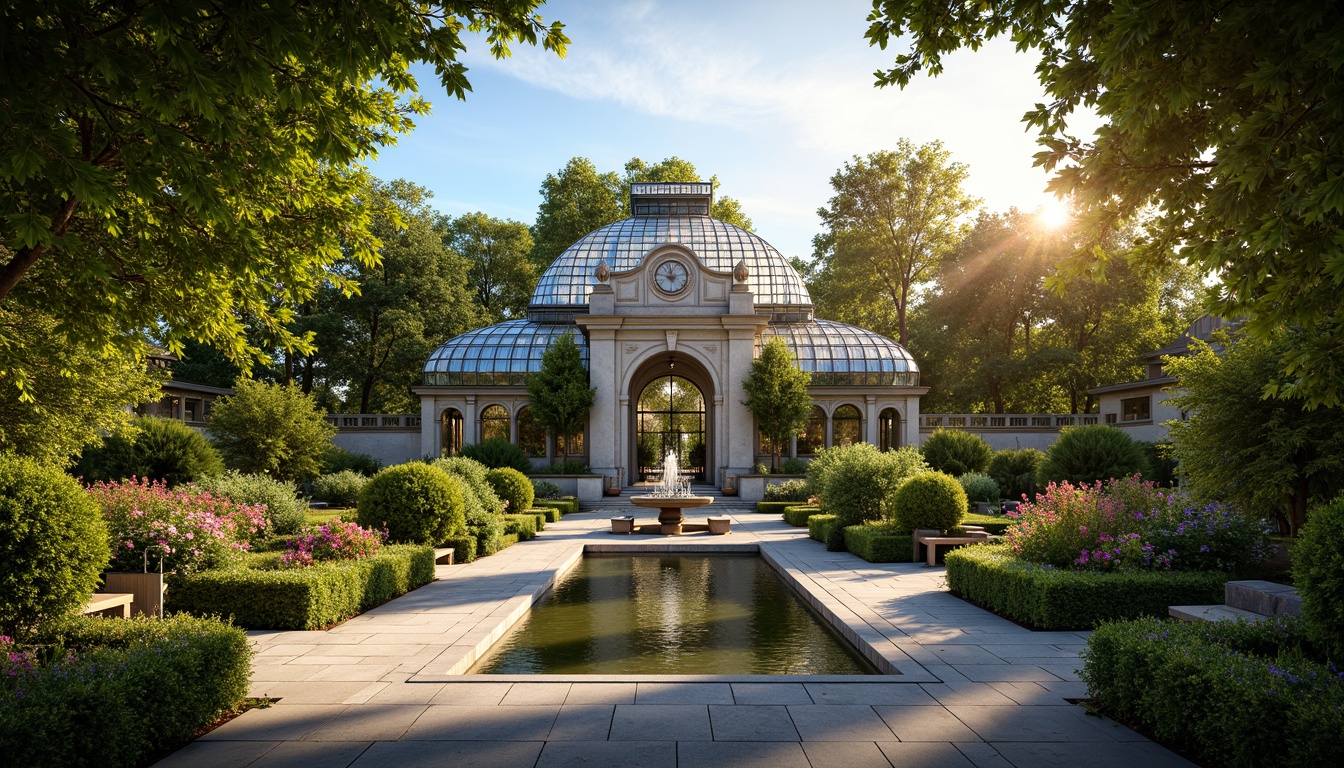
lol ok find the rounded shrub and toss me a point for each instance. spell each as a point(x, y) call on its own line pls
point(513, 487)
point(861, 477)
point(497, 454)
point(1015, 470)
point(789, 490)
point(340, 489)
point(793, 467)
point(1092, 453)
point(956, 452)
point(931, 500)
point(157, 449)
point(545, 489)
point(1318, 574)
point(416, 503)
point(480, 502)
point(53, 545)
point(979, 487)
point(286, 513)
point(336, 460)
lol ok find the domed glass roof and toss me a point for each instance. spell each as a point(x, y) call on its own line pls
point(565, 285)
point(498, 355)
point(839, 354)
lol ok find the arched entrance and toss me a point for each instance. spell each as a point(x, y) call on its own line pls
point(670, 410)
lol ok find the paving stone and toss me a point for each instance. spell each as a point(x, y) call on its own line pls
point(282, 722)
point(744, 722)
point(995, 673)
point(929, 723)
point(217, 754)
point(1018, 723)
point(839, 722)
point(458, 754)
point(601, 693)
point(307, 754)
point(461, 723)
point(609, 754)
point(868, 693)
point(356, 673)
point(536, 694)
point(407, 693)
point(368, 722)
point(675, 722)
point(684, 693)
point(310, 692)
point(845, 754)
point(770, 693)
point(583, 722)
point(1062, 755)
point(1031, 694)
point(968, 693)
point(471, 694)
point(984, 755)
point(919, 754)
point(963, 654)
point(760, 754)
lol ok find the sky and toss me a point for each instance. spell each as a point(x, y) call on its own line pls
point(772, 96)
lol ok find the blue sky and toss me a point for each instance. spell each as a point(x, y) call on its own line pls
point(773, 97)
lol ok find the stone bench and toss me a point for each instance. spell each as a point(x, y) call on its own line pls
point(715, 526)
point(443, 555)
point(925, 541)
point(112, 604)
point(1251, 601)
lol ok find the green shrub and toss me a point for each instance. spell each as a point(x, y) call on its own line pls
point(931, 500)
point(272, 429)
point(489, 536)
point(340, 489)
point(956, 452)
point(513, 487)
point(53, 545)
point(979, 487)
point(789, 490)
point(1092, 453)
point(540, 517)
point(1015, 471)
point(463, 546)
point(480, 502)
point(1048, 598)
point(336, 460)
point(302, 598)
point(828, 530)
point(567, 467)
point(860, 479)
point(545, 489)
point(879, 543)
point(1223, 693)
point(414, 503)
point(158, 449)
point(1318, 573)
point(774, 507)
point(993, 524)
point(170, 678)
point(1161, 463)
point(497, 453)
point(565, 506)
point(286, 513)
point(522, 526)
point(797, 515)
point(177, 530)
point(793, 467)
point(819, 469)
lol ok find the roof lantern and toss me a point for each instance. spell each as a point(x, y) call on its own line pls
point(662, 198)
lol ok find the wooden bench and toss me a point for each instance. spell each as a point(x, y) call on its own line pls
point(929, 539)
point(113, 604)
point(443, 555)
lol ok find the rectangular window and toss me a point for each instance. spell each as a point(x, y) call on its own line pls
point(1111, 418)
point(1136, 409)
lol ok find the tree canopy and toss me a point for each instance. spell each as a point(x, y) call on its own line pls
point(499, 274)
point(271, 429)
point(179, 165)
point(559, 393)
point(1224, 119)
point(777, 396)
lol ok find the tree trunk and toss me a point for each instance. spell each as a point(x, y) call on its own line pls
point(1297, 511)
point(365, 392)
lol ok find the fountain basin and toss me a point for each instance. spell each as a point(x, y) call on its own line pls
point(671, 520)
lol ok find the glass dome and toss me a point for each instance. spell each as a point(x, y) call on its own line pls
point(565, 285)
point(839, 354)
point(499, 355)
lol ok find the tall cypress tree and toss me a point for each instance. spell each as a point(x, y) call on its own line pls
point(559, 393)
point(777, 395)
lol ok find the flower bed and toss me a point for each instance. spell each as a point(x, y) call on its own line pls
point(117, 692)
point(1227, 694)
point(331, 541)
point(302, 598)
point(1049, 598)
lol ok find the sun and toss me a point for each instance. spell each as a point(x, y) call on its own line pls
point(1054, 213)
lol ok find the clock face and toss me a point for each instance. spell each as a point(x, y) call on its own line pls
point(670, 277)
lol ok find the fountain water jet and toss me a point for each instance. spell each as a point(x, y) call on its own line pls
point(671, 496)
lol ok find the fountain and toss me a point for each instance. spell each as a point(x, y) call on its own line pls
point(671, 496)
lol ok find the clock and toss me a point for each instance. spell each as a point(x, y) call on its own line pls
point(671, 277)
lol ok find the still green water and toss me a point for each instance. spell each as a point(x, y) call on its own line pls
point(672, 615)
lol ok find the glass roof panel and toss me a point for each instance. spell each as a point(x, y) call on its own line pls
point(839, 354)
point(500, 355)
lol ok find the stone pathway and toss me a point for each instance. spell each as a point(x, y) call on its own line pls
point(387, 688)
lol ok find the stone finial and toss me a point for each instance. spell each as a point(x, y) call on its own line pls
point(740, 272)
point(603, 272)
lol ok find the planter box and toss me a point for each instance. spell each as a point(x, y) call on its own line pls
point(147, 587)
point(624, 524)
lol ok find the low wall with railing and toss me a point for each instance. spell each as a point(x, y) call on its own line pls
point(391, 438)
point(1007, 430)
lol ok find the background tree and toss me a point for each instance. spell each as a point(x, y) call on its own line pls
point(574, 202)
point(271, 429)
point(155, 449)
point(1270, 458)
point(674, 169)
point(894, 216)
point(559, 393)
point(177, 164)
point(1225, 117)
point(777, 396)
point(499, 274)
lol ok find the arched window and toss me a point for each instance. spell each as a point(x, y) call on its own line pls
point(813, 437)
point(846, 426)
point(495, 423)
point(889, 429)
point(450, 432)
point(531, 435)
point(569, 449)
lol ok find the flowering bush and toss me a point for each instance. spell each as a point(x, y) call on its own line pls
point(193, 529)
point(1129, 523)
point(335, 540)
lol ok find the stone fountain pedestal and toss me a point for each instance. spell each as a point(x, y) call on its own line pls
point(671, 520)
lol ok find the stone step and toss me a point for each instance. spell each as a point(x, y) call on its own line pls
point(1263, 597)
point(1212, 613)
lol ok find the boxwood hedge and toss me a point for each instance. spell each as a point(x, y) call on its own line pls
point(774, 507)
point(878, 543)
point(302, 598)
point(797, 515)
point(828, 530)
point(1056, 599)
point(522, 526)
point(562, 506)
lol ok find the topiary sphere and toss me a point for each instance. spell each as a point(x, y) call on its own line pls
point(931, 500)
point(53, 545)
point(512, 486)
point(414, 502)
point(956, 452)
point(1318, 574)
point(979, 487)
point(1096, 452)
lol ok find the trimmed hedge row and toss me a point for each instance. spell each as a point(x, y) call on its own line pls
point(522, 527)
point(464, 548)
point(878, 544)
point(137, 687)
point(797, 515)
point(1055, 599)
point(828, 530)
point(302, 598)
point(774, 507)
point(564, 506)
point(1229, 694)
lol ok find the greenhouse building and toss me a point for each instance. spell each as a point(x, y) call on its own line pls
point(668, 309)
